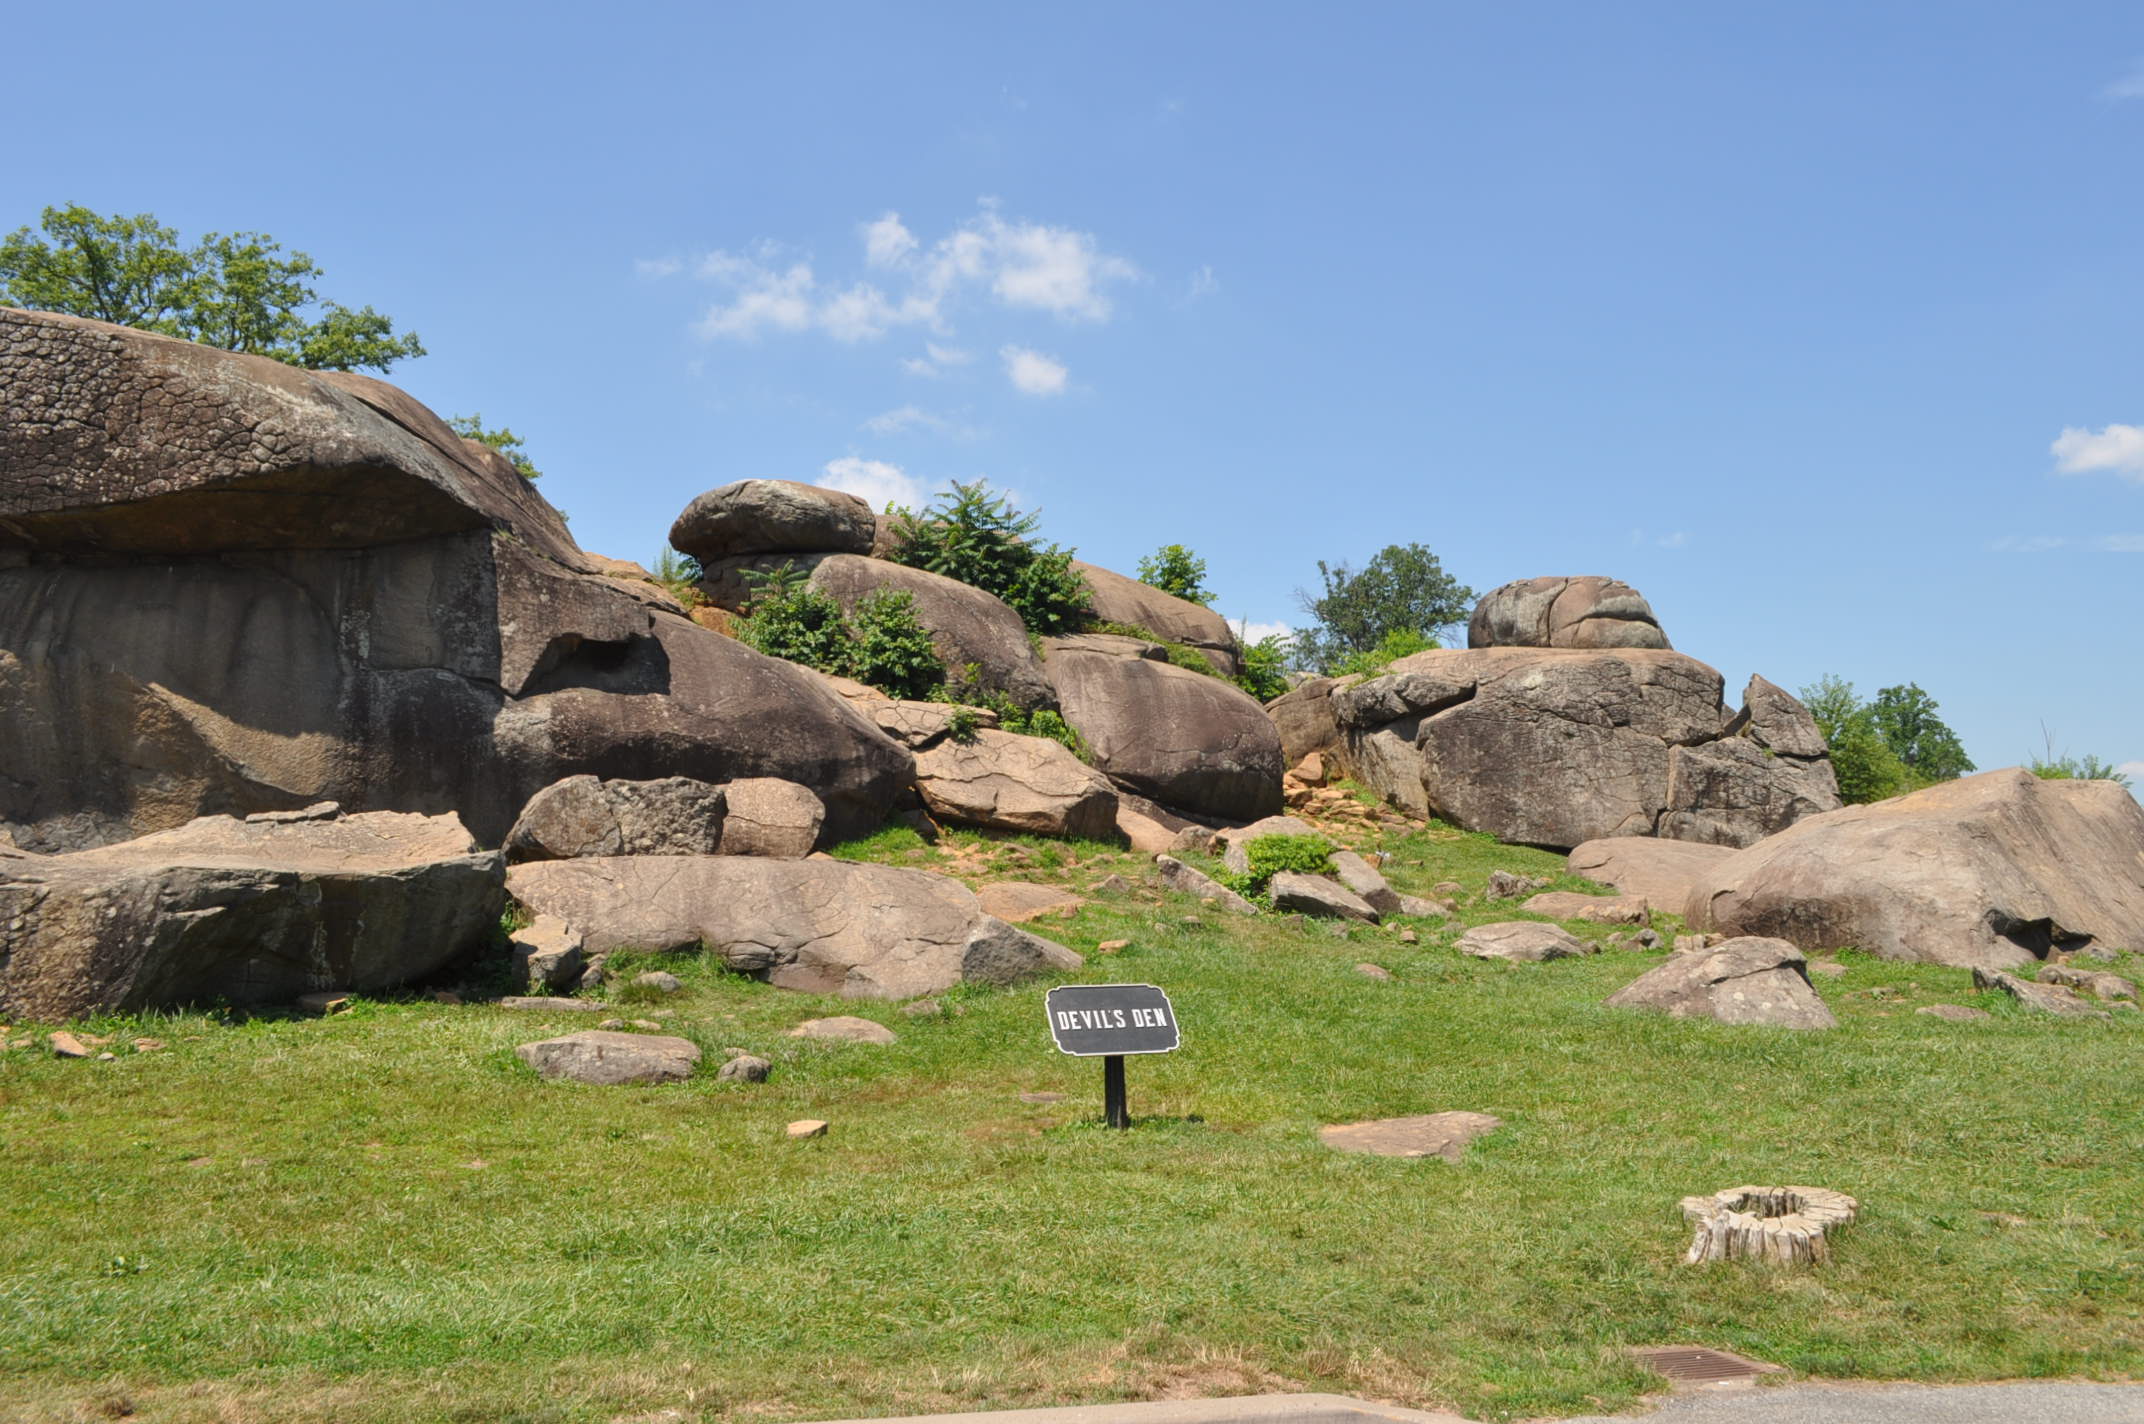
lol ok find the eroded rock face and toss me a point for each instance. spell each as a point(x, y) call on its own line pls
point(250, 912)
point(1660, 872)
point(768, 816)
point(1746, 980)
point(586, 815)
point(347, 603)
point(1991, 871)
point(824, 926)
point(1553, 747)
point(1303, 715)
point(1015, 783)
point(1584, 612)
point(1167, 733)
point(1118, 599)
point(773, 517)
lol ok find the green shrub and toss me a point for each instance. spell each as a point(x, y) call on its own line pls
point(1178, 572)
point(680, 575)
point(893, 651)
point(1012, 717)
point(976, 537)
point(1265, 667)
point(1394, 645)
point(1270, 855)
point(883, 644)
point(2076, 768)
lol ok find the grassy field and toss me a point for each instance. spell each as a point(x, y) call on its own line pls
point(382, 1216)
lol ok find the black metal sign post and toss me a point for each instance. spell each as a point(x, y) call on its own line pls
point(1112, 1022)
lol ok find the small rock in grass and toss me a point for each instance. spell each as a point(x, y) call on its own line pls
point(1113, 885)
point(66, 1045)
point(1414, 907)
point(1952, 1013)
point(1319, 895)
point(1447, 887)
point(2041, 998)
point(806, 1127)
point(107, 1058)
point(1829, 968)
point(148, 1045)
point(2096, 982)
point(923, 1009)
point(1197, 839)
point(845, 1028)
point(1111, 946)
point(540, 1004)
point(601, 1057)
point(744, 1068)
point(1409, 937)
point(1523, 941)
point(1444, 1134)
point(1594, 909)
point(648, 1024)
point(326, 1001)
point(659, 981)
point(1649, 939)
point(1374, 971)
point(611, 1024)
point(1503, 885)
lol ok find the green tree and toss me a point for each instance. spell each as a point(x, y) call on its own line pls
point(1867, 768)
point(1176, 571)
point(236, 290)
point(1404, 589)
point(1906, 718)
point(1265, 667)
point(471, 427)
point(977, 537)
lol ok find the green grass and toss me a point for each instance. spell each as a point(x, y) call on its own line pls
point(382, 1216)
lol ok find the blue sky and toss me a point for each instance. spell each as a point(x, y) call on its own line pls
point(1819, 324)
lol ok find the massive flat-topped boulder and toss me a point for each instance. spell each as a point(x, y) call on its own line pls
point(117, 440)
point(1989, 872)
point(1118, 599)
point(245, 911)
point(824, 926)
point(1554, 746)
point(1175, 736)
point(1584, 612)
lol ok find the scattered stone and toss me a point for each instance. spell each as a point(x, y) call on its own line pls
point(1409, 937)
point(66, 1045)
point(1113, 884)
point(1594, 909)
point(1447, 888)
point(1374, 971)
point(107, 1058)
point(846, 1028)
point(1444, 1134)
point(1018, 901)
point(1686, 942)
point(659, 980)
point(648, 1024)
point(1186, 880)
point(1503, 885)
point(1358, 875)
point(1829, 968)
point(1415, 908)
point(1743, 981)
point(1311, 769)
point(148, 1045)
point(806, 1127)
point(1195, 840)
point(923, 1009)
point(608, 1059)
point(1111, 946)
point(1953, 1013)
point(2098, 983)
point(1522, 941)
point(586, 815)
point(2041, 998)
point(612, 1024)
point(744, 1068)
point(325, 1001)
point(1042, 1099)
point(1782, 1226)
point(1315, 895)
point(546, 954)
point(1233, 842)
point(545, 1004)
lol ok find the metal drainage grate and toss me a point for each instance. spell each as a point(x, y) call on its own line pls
point(1690, 1364)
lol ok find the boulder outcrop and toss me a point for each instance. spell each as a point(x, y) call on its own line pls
point(1553, 746)
point(1303, 715)
point(251, 912)
point(768, 816)
point(773, 517)
point(1176, 736)
point(586, 815)
point(1991, 871)
point(1009, 782)
point(1522, 942)
point(1584, 612)
point(1747, 980)
point(1660, 872)
point(824, 926)
point(229, 585)
point(1117, 599)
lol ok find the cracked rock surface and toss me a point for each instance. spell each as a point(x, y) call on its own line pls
point(1004, 781)
point(1588, 611)
point(1748, 980)
point(1172, 735)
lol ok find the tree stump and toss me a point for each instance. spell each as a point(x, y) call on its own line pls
point(1784, 1226)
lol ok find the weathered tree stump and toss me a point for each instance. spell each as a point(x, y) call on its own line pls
point(1782, 1225)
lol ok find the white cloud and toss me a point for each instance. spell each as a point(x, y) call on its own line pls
point(658, 266)
point(910, 417)
point(2120, 543)
point(1248, 633)
point(2134, 770)
point(2129, 86)
point(765, 298)
point(935, 360)
point(2119, 448)
point(1033, 372)
point(1203, 284)
point(876, 482)
point(887, 241)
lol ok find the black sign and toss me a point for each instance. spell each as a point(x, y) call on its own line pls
point(1108, 1020)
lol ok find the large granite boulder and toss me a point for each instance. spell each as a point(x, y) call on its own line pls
point(1661, 872)
point(1554, 746)
point(1746, 980)
point(1008, 782)
point(824, 926)
point(586, 815)
point(773, 517)
point(227, 585)
point(254, 911)
point(1992, 871)
point(1303, 715)
point(1117, 599)
point(1176, 736)
point(767, 816)
point(1584, 612)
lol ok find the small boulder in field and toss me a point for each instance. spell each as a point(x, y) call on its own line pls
point(608, 1059)
point(806, 1127)
point(767, 816)
point(1953, 1013)
point(661, 981)
point(1374, 971)
point(1661, 872)
point(744, 1068)
point(1187, 880)
point(2040, 998)
point(1742, 981)
point(542, 1004)
point(1315, 895)
point(1444, 1135)
point(1522, 942)
point(846, 1028)
point(66, 1045)
point(2096, 982)
point(1594, 909)
point(1018, 901)
point(1367, 881)
point(546, 954)
point(1504, 885)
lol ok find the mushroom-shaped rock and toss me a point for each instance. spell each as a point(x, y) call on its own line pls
point(1117, 599)
point(1749, 980)
point(1583, 612)
point(1179, 737)
point(247, 911)
point(1009, 782)
point(586, 815)
point(825, 926)
point(773, 517)
point(1991, 871)
point(607, 1058)
point(1522, 942)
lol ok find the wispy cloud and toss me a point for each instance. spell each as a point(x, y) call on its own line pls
point(2129, 86)
point(1034, 373)
point(910, 417)
point(2134, 770)
point(2116, 448)
point(1248, 632)
point(2046, 543)
point(1203, 283)
point(876, 482)
point(936, 360)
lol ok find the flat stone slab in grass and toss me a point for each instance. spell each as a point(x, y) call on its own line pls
point(609, 1059)
point(1188, 880)
point(1522, 941)
point(1016, 901)
point(1444, 1134)
point(2040, 998)
point(1303, 894)
point(845, 1028)
point(1953, 1013)
point(1594, 909)
point(568, 1006)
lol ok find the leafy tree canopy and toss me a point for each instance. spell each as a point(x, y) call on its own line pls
point(1404, 589)
point(1906, 718)
point(1885, 747)
point(977, 537)
point(1175, 570)
point(236, 290)
point(471, 427)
